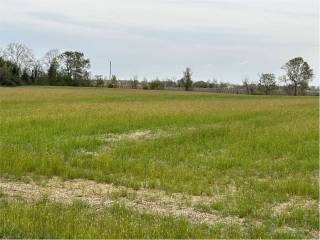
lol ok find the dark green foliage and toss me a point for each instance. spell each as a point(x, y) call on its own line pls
point(74, 67)
point(53, 73)
point(9, 73)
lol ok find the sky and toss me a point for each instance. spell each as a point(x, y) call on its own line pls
point(226, 40)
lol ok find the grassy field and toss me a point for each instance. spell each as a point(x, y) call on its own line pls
point(253, 158)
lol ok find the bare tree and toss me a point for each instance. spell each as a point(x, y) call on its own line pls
point(113, 81)
point(50, 57)
point(36, 71)
point(1, 53)
point(246, 84)
point(20, 55)
point(99, 80)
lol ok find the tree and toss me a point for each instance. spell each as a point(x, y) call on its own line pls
point(298, 73)
point(250, 86)
point(99, 80)
point(20, 55)
point(53, 73)
point(36, 72)
point(200, 84)
point(303, 87)
point(156, 85)
point(186, 80)
point(267, 82)
point(2, 53)
point(113, 82)
point(169, 83)
point(25, 78)
point(9, 73)
point(75, 68)
point(135, 84)
point(50, 57)
point(214, 83)
point(246, 84)
point(144, 83)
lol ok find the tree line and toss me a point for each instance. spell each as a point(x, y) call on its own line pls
point(18, 66)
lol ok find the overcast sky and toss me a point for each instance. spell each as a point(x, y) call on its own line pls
point(223, 39)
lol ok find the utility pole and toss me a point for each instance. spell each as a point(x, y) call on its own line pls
point(110, 71)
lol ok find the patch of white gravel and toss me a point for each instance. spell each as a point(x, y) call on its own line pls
point(296, 202)
point(84, 152)
point(100, 195)
point(134, 135)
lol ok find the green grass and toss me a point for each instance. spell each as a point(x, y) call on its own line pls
point(52, 220)
point(255, 151)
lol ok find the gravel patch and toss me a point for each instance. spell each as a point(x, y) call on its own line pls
point(100, 195)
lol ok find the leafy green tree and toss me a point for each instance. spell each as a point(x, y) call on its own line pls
point(9, 73)
point(303, 87)
point(267, 82)
point(53, 74)
point(298, 73)
point(186, 80)
point(200, 84)
point(75, 68)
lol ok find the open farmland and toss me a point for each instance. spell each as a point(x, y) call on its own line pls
point(100, 163)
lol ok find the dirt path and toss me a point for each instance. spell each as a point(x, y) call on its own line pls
point(100, 195)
